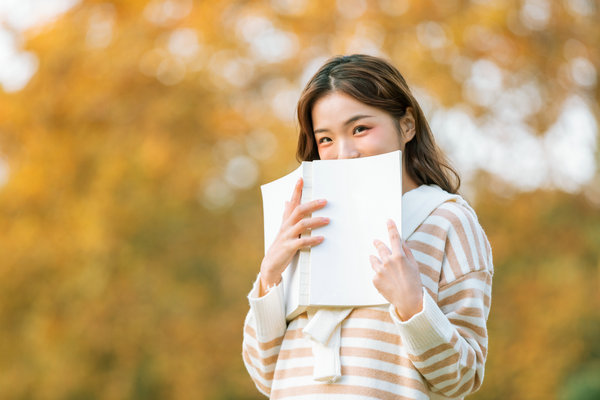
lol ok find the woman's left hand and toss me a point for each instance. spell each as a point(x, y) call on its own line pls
point(397, 275)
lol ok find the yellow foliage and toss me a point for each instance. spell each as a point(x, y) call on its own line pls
point(127, 253)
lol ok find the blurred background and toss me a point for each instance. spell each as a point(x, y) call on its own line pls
point(134, 136)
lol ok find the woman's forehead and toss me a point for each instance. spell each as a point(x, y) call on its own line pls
point(338, 106)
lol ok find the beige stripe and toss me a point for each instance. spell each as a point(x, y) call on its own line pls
point(476, 233)
point(461, 374)
point(433, 230)
point(468, 387)
point(450, 360)
point(391, 358)
point(466, 334)
point(426, 270)
point(443, 378)
point(268, 376)
point(435, 351)
point(369, 313)
point(426, 248)
point(469, 312)
point(453, 262)
point(471, 359)
point(263, 345)
point(262, 387)
point(483, 276)
point(267, 361)
point(486, 242)
point(481, 332)
point(463, 294)
point(292, 334)
point(384, 376)
point(455, 375)
point(357, 371)
point(336, 389)
point(460, 231)
point(373, 334)
point(430, 353)
point(433, 295)
point(295, 372)
point(300, 352)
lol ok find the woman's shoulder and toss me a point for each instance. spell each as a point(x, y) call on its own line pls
point(455, 220)
point(457, 215)
point(464, 236)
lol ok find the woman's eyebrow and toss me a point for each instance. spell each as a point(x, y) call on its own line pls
point(348, 122)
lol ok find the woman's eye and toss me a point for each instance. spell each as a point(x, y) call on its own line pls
point(360, 129)
point(324, 139)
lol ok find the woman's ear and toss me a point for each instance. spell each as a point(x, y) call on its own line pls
point(408, 125)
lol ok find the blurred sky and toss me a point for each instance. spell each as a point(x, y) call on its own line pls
point(564, 157)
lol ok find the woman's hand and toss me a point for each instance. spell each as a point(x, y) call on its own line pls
point(397, 275)
point(288, 240)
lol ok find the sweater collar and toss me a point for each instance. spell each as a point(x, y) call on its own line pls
point(418, 203)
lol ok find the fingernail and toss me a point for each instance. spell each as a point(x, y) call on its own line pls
point(390, 223)
point(324, 219)
point(321, 201)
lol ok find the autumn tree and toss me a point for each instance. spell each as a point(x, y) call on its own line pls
point(131, 212)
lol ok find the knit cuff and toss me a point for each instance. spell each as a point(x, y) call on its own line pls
point(268, 310)
point(426, 329)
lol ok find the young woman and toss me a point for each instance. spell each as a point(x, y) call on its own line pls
point(431, 341)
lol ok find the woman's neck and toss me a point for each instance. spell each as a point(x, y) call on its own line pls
point(407, 183)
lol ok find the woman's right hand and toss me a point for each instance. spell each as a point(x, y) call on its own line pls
point(288, 241)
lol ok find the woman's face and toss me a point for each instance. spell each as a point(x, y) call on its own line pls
point(346, 128)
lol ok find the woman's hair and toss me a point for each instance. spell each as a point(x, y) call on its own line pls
point(375, 82)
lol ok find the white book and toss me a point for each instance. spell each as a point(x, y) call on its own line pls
point(362, 194)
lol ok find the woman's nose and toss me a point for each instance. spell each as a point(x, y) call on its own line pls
point(348, 150)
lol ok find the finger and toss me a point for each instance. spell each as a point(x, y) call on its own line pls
point(382, 249)
point(375, 263)
point(308, 241)
point(307, 208)
point(297, 194)
point(395, 239)
point(306, 224)
point(295, 200)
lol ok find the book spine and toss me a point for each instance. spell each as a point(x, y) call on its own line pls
point(304, 257)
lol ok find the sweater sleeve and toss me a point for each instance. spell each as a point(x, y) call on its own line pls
point(264, 328)
point(447, 340)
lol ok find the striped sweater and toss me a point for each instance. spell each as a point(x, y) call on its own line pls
point(439, 353)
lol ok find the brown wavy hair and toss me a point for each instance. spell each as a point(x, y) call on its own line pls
point(377, 83)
